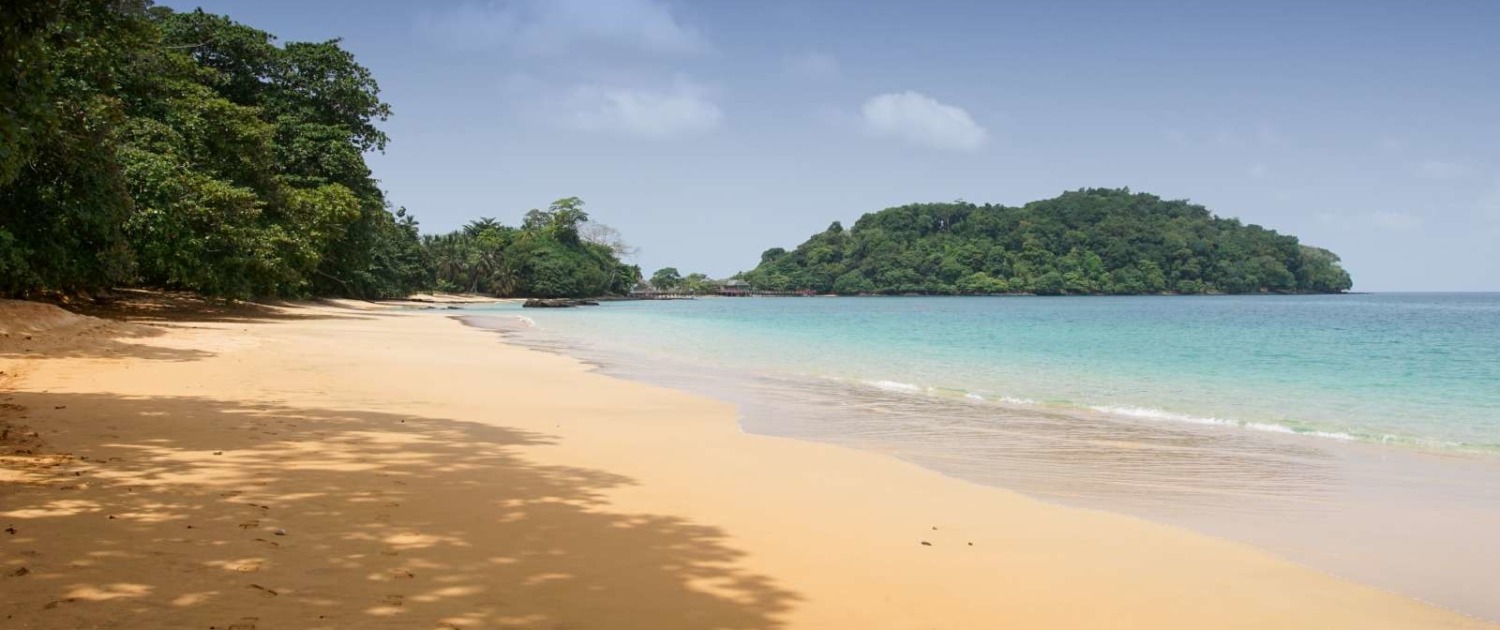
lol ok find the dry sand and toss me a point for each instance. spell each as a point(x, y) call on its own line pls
point(346, 466)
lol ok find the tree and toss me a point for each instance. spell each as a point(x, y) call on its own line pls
point(545, 257)
point(184, 150)
point(606, 236)
point(666, 279)
point(698, 284)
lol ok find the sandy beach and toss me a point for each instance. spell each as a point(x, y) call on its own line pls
point(349, 465)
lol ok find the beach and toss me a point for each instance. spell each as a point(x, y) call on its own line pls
point(345, 464)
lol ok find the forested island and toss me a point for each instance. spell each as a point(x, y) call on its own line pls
point(1084, 242)
point(145, 147)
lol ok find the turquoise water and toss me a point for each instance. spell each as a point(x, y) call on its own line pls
point(1356, 434)
point(1420, 370)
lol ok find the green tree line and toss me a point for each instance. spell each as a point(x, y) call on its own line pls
point(555, 252)
point(140, 146)
point(1090, 241)
point(670, 279)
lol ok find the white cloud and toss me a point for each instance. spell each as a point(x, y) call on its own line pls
point(813, 65)
point(683, 110)
point(551, 27)
point(922, 120)
point(1439, 169)
point(1395, 220)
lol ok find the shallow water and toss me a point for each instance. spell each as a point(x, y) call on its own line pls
point(1356, 434)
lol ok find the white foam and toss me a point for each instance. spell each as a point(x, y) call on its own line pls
point(530, 323)
point(1016, 401)
point(1281, 428)
point(1149, 413)
point(972, 396)
point(895, 386)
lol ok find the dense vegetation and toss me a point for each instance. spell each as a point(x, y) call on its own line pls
point(144, 147)
point(1092, 241)
point(556, 252)
point(671, 280)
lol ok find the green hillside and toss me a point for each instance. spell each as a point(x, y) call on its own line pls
point(1091, 241)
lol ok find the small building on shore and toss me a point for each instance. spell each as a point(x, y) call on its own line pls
point(735, 287)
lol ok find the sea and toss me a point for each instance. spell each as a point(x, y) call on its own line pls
point(1357, 434)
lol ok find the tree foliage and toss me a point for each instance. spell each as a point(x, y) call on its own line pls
point(666, 279)
point(545, 257)
point(1091, 241)
point(142, 146)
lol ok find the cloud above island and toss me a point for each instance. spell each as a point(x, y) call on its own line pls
point(684, 109)
point(556, 27)
point(919, 119)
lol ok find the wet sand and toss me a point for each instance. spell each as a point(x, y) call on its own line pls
point(348, 465)
point(1415, 522)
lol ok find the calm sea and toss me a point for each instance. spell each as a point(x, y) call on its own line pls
point(1359, 434)
point(1415, 369)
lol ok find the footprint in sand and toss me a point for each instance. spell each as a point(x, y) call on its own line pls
point(393, 600)
point(249, 524)
point(269, 542)
point(245, 623)
point(264, 591)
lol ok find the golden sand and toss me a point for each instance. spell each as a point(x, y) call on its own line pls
point(351, 466)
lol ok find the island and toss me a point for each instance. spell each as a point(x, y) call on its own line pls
point(1083, 242)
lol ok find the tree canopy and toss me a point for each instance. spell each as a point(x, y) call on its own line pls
point(545, 257)
point(1090, 241)
point(144, 146)
point(147, 147)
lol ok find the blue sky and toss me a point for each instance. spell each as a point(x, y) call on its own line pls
point(707, 132)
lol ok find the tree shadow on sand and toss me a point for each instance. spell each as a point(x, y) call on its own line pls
point(307, 518)
point(96, 339)
point(151, 306)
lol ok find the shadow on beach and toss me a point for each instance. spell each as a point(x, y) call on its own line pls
point(194, 512)
point(153, 306)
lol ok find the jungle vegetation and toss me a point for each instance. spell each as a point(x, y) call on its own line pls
point(1089, 241)
point(140, 146)
point(556, 252)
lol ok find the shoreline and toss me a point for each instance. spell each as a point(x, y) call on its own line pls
point(1408, 519)
point(326, 466)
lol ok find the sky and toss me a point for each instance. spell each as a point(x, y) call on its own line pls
point(707, 132)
